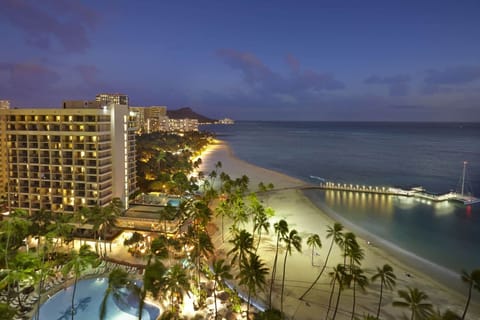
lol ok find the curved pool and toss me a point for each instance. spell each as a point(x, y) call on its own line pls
point(88, 297)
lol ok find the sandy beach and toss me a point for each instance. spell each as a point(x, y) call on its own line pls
point(290, 203)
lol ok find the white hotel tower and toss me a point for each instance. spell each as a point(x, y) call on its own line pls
point(64, 159)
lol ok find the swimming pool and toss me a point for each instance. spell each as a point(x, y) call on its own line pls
point(173, 202)
point(88, 298)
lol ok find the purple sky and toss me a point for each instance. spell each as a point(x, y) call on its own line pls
point(267, 60)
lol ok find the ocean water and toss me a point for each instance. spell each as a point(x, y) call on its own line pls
point(384, 154)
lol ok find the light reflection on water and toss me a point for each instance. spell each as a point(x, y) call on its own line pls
point(442, 232)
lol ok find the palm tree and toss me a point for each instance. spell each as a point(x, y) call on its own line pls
point(177, 283)
point(24, 267)
point(348, 243)
point(77, 263)
point(260, 222)
point(314, 241)
point(473, 281)
point(338, 276)
point(292, 240)
point(335, 233)
point(387, 280)
point(238, 211)
point(154, 281)
point(203, 248)
point(221, 271)
point(253, 274)
point(16, 229)
point(357, 278)
point(242, 245)
point(414, 299)
point(107, 219)
point(41, 221)
point(61, 229)
point(117, 279)
point(281, 230)
point(223, 211)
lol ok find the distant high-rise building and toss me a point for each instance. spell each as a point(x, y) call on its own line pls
point(4, 105)
point(182, 125)
point(115, 98)
point(151, 119)
point(64, 159)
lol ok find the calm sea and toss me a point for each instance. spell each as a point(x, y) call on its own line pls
point(385, 154)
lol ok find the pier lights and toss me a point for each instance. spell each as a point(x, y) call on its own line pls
point(351, 186)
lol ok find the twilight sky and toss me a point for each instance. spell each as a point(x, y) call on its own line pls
point(267, 60)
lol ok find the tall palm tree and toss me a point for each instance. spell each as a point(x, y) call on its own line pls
point(355, 255)
point(260, 222)
point(292, 241)
point(221, 271)
point(338, 277)
point(348, 243)
point(203, 248)
point(242, 245)
point(336, 234)
point(387, 280)
point(473, 281)
point(177, 284)
point(77, 263)
point(314, 241)
point(223, 210)
point(253, 274)
point(358, 279)
point(281, 230)
point(117, 279)
point(415, 300)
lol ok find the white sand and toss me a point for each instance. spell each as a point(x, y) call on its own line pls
point(290, 204)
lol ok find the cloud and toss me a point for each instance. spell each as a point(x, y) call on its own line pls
point(261, 80)
point(66, 22)
point(453, 76)
point(398, 85)
point(293, 63)
point(254, 71)
point(88, 73)
point(27, 76)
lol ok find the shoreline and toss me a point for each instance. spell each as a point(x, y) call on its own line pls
point(310, 217)
point(440, 274)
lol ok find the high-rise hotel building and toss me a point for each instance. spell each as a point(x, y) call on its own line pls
point(116, 98)
point(64, 159)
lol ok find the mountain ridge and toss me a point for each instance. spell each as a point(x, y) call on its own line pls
point(188, 113)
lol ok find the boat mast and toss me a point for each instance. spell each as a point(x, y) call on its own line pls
point(463, 175)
